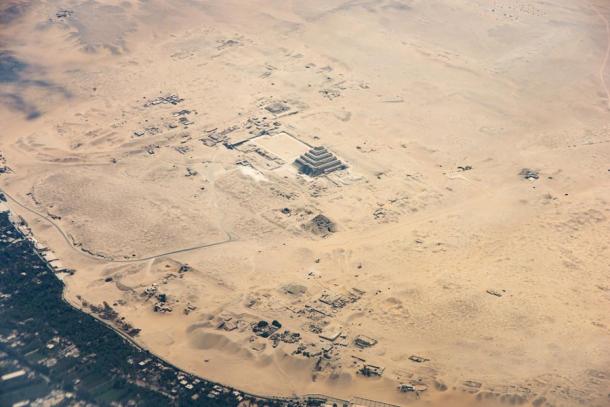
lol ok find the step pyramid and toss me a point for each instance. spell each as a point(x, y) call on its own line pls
point(318, 161)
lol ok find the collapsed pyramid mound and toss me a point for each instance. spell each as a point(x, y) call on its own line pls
point(318, 161)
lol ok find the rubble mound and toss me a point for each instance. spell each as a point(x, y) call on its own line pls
point(321, 225)
point(294, 289)
point(277, 108)
point(529, 174)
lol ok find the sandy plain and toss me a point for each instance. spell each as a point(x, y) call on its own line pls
point(442, 249)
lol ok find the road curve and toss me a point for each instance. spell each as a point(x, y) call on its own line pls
point(602, 69)
point(69, 241)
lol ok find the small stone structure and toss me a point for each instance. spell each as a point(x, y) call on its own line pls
point(318, 161)
point(321, 225)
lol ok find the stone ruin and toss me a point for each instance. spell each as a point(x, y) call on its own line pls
point(363, 341)
point(320, 225)
point(265, 329)
point(277, 108)
point(529, 174)
point(318, 161)
point(371, 370)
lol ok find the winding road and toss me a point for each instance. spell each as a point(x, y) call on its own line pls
point(68, 240)
point(604, 65)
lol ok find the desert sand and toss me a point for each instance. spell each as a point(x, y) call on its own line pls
point(150, 147)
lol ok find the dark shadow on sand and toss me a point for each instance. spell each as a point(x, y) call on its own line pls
point(16, 78)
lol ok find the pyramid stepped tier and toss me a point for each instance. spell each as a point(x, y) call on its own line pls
point(318, 150)
point(318, 161)
point(318, 157)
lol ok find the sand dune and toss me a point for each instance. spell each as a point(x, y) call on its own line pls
point(150, 146)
